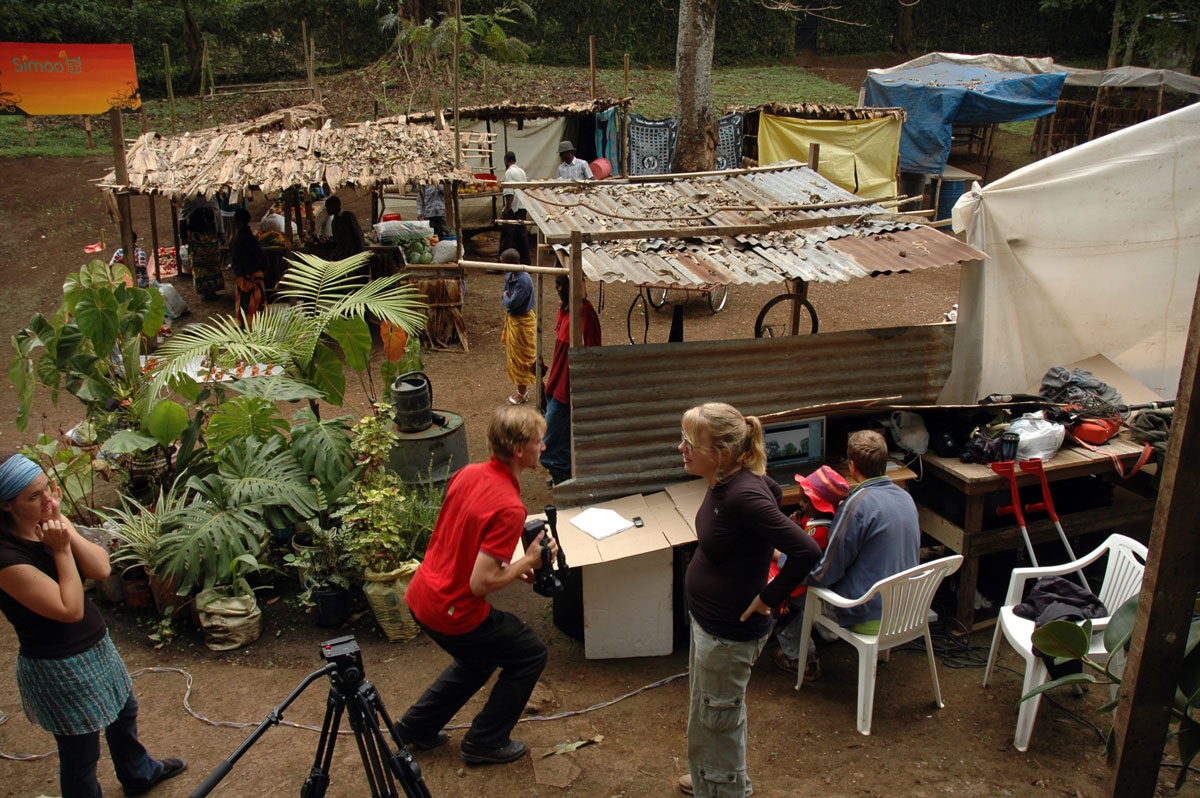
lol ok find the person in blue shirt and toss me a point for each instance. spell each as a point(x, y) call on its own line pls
point(520, 327)
point(875, 534)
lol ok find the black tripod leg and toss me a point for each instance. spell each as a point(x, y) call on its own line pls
point(318, 778)
point(401, 763)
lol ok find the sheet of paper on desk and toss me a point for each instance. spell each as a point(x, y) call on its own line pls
point(599, 523)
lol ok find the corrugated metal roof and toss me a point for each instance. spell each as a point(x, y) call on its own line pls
point(627, 400)
point(851, 244)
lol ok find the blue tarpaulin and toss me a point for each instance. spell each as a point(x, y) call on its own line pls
point(939, 95)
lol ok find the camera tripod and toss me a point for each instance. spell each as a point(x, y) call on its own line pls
point(351, 693)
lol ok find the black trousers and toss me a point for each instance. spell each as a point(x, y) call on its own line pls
point(501, 641)
point(515, 236)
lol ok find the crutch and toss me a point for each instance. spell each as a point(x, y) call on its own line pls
point(1034, 466)
point(1008, 468)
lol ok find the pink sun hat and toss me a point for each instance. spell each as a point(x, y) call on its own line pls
point(825, 487)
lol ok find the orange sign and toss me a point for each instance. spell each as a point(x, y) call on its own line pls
point(63, 79)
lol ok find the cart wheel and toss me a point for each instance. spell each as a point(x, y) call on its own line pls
point(775, 319)
point(658, 297)
point(639, 315)
point(717, 297)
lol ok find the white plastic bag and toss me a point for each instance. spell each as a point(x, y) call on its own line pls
point(174, 304)
point(445, 251)
point(1039, 438)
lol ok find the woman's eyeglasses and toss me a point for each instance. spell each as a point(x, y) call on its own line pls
point(688, 446)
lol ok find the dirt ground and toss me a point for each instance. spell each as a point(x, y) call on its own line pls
point(800, 743)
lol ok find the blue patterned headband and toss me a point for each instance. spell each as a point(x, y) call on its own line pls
point(15, 475)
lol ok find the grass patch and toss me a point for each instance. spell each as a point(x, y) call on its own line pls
point(1023, 128)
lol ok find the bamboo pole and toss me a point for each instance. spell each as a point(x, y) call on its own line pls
point(592, 62)
point(1095, 114)
point(170, 86)
point(1160, 99)
point(175, 237)
point(487, 92)
point(312, 65)
point(29, 130)
point(457, 140)
point(708, 230)
point(87, 129)
point(153, 212)
point(655, 178)
point(121, 173)
point(212, 89)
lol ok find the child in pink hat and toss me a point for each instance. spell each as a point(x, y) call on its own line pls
point(823, 490)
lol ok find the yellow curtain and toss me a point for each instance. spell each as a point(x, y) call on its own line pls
point(860, 155)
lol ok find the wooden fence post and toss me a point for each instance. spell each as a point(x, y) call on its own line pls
point(170, 85)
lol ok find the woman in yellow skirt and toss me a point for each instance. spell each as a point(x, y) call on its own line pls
point(520, 328)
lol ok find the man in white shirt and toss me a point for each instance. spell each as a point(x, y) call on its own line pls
point(571, 167)
point(513, 234)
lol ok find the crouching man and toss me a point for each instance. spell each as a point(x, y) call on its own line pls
point(470, 556)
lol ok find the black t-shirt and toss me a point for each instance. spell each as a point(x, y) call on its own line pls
point(739, 524)
point(39, 636)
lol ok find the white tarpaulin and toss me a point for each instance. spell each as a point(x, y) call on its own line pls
point(1093, 250)
point(535, 145)
point(1119, 77)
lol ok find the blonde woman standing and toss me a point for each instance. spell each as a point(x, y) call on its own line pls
point(739, 526)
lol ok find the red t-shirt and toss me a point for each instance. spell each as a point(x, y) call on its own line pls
point(557, 383)
point(818, 530)
point(482, 511)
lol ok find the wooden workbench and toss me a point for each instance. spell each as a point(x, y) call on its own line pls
point(1130, 513)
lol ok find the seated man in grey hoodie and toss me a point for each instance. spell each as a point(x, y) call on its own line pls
point(875, 534)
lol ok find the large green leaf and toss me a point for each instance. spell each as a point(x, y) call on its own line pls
point(97, 314)
point(70, 339)
point(1070, 678)
point(127, 441)
point(244, 417)
point(1119, 629)
point(209, 536)
point(277, 388)
point(266, 475)
point(167, 421)
point(20, 372)
point(354, 337)
point(323, 447)
point(327, 374)
point(1063, 639)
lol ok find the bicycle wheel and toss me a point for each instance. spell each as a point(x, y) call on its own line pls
point(775, 319)
point(638, 315)
point(717, 297)
point(657, 297)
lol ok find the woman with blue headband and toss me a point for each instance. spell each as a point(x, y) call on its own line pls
point(72, 680)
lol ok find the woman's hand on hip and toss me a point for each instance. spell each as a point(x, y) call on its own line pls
point(756, 606)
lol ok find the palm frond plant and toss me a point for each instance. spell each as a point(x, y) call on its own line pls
point(331, 304)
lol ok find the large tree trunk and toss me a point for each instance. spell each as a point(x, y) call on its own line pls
point(1114, 42)
point(696, 147)
point(902, 37)
point(195, 46)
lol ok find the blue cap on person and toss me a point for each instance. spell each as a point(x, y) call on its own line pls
point(15, 475)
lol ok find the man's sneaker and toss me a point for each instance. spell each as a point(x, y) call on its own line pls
point(171, 767)
point(498, 755)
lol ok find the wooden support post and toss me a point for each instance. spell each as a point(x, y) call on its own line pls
point(1160, 99)
point(576, 289)
point(458, 230)
point(29, 130)
point(457, 136)
point(312, 69)
point(439, 121)
point(1095, 114)
point(814, 159)
point(203, 61)
point(286, 201)
point(1165, 604)
point(537, 350)
point(487, 91)
point(170, 86)
point(592, 62)
point(121, 173)
point(625, 123)
point(212, 90)
point(153, 210)
point(175, 236)
point(341, 42)
point(87, 129)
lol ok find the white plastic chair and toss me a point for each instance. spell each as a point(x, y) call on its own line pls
point(906, 599)
point(1122, 579)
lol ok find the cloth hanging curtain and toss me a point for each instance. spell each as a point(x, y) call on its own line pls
point(859, 155)
point(651, 145)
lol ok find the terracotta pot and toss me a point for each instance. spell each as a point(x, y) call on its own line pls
point(165, 599)
point(135, 584)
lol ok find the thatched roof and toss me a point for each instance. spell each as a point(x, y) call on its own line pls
point(512, 111)
point(245, 157)
point(820, 111)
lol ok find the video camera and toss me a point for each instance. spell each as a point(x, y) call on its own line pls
point(546, 578)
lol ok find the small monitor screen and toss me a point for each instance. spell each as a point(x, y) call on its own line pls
point(795, 442)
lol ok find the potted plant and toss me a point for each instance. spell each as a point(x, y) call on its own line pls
point(137, 530)
point(327, 568)
point(388, 524)
point(229, 614)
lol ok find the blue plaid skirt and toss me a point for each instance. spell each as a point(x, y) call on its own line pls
point(74, 695)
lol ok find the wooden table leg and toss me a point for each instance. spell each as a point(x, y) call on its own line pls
point(968, 574)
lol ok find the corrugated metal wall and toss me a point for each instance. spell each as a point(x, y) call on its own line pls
point(628, 399)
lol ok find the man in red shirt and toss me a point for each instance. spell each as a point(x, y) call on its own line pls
point(470, 556)
point(557, 458)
